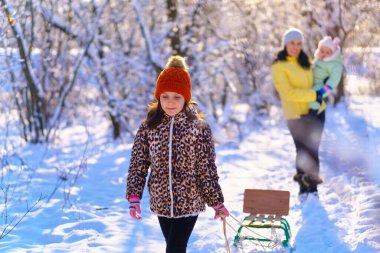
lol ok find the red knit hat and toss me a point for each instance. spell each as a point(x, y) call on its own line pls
point(174, 78)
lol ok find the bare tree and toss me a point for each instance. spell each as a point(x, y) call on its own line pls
point(50, 72)
point(110, 52)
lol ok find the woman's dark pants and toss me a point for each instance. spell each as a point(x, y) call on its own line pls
point(307, 134)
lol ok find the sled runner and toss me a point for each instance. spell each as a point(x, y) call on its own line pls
point(266, 208)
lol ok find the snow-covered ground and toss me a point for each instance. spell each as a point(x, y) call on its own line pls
point(81, 180)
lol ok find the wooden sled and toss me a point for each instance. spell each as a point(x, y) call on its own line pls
point(266, 208)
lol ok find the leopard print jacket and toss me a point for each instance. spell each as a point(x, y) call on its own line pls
point(183, 175)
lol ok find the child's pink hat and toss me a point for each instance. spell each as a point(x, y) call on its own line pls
point(327, 41)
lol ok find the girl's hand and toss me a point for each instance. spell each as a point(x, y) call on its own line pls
point(220, 211)
point(134, 207)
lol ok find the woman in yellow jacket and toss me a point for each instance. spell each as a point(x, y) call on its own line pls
point(293, 78)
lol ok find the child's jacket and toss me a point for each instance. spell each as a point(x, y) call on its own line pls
point(330, 68)
point(183, 176)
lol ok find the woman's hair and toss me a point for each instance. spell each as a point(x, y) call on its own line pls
point(156, 113)
point(302, 59)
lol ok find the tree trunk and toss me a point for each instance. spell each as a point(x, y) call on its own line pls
point(116, 129)
point(36, 111)
point(174, 33)
point(340, 88)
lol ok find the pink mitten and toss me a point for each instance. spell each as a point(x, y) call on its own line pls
point(220, 211)
point(134, 207)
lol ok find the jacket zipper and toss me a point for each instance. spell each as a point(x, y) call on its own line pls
point(170, 168)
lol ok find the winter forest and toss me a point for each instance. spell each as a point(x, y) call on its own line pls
point(76, 77)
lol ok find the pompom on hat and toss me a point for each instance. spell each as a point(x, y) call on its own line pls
point(291, 34)
point(327, 41)
point(174, 78)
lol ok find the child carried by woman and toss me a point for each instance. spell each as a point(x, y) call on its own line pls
point(327, 71)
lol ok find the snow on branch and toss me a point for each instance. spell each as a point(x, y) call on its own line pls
point(146, 34)
point(23, 50)
point(58, 23)
point(59, 109)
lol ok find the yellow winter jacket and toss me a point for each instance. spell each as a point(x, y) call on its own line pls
point(294, 85)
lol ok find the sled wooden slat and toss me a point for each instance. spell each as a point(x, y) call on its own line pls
point(260, 218)
point(259, 221)
point(248, 221)
point(266, 202)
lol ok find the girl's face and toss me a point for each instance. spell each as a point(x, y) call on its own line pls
point(324, 52)
point(172, 102)
point(293, 48)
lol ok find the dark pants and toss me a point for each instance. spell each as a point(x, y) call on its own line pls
point(307, 134)
point(177, 232)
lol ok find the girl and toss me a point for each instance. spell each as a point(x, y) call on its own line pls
point(176, 143)
point(328, 68)
point(293, 79)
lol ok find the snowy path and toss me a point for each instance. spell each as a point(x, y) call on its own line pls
point(351, 153)
point(345, 219)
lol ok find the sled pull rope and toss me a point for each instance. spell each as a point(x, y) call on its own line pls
point(254, 232)
point(223, 216)
point(228, 249)
point(225, 223)
point(225, 234)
